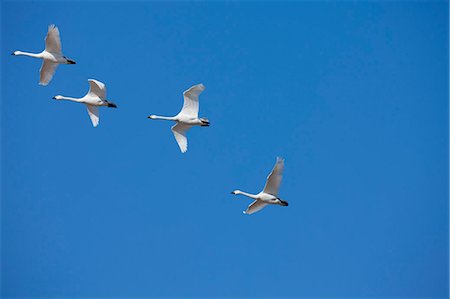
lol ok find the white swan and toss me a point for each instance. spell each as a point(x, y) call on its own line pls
point(269, 195)
point(95, 97)
point(188, 116)
point(52, 56)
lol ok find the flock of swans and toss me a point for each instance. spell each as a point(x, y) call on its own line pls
point(52, 56)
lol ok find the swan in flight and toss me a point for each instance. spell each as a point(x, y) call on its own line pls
point(52, 56)
point(269, 195)
point(188, 116)
point(95, 97)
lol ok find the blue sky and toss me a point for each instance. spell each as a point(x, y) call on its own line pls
point(354, 95)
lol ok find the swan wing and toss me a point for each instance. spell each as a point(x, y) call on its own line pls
point(190, 105)
point(274, 179)
point(179, 131)
point(97, 89)
point(46, 72)
point(52, 40)
point(93, 114)
point(255, 207)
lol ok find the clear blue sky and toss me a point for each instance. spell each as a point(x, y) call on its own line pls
point(353, 95)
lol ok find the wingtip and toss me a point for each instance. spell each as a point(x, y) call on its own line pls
point(52, 27)
point(96, 123)
point(183, 149)
point(199, 86)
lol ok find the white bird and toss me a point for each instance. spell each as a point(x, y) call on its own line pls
point(95, 97)
point(269, 195)
point(188, 116)
point(52, 56)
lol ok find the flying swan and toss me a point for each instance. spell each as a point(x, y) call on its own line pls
point(270, 193)
point(95, 97)
point(188, 116)
point(52, 56)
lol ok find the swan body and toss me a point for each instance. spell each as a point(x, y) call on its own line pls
point(95, 97)
point(269, 195)
point(188, 116)
point(51, 57)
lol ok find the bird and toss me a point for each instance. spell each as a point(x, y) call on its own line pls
point(52, 56)
point(269, 195)
point(188, 116)
point(95, 97)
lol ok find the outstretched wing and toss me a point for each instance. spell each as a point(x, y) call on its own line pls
point(97, 88)
point(52, 40)
point(179, 131)
point(255, 207)
point(93, 114)
point(274, 179)
point(46, 72)
point(190, 105)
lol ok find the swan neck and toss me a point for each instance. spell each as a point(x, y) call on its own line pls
point(20, 53)
point(162, 117)
point(71, 99)
point(246, 194)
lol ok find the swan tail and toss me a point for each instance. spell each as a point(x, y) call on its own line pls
point(205, 122)
point(283, 203)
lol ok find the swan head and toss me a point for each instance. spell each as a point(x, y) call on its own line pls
point(15, 53)
point(152, 116)
point(235, 192)
point(58, 97)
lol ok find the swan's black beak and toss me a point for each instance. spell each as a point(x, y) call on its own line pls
point(12, 53)
point(112, 105)
point(54, 98)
